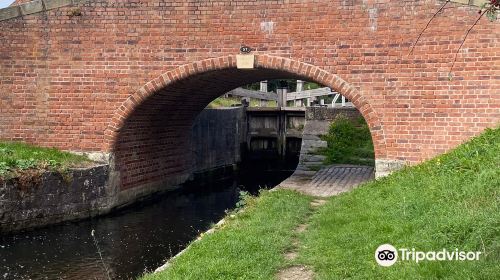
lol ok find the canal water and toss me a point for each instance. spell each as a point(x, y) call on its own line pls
point(133, 241)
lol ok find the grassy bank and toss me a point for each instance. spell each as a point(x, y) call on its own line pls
point(447, 203)
point(18, 157)
point(249, 246)
point(222, 102)
point(349, 142)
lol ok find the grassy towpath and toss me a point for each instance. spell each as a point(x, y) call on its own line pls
point(451, 202)
point(17, 158)
point(249, 245)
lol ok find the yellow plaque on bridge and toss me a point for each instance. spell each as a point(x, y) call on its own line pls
point(245, 61)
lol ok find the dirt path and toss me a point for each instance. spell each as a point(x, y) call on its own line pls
point(298, 272)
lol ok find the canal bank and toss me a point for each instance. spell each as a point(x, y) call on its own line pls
point(422, 206)
point(51, 197)
point(220, 140)
point(133, 240)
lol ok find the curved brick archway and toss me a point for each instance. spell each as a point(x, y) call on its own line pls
point(63, 76)
point(292, 67)
point(155, 120)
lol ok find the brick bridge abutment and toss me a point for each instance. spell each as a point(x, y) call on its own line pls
point(148, 134)
point(127, 78)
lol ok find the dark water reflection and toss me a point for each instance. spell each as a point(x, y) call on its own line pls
point(132, 241)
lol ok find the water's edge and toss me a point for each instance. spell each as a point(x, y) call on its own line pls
point(133, 240)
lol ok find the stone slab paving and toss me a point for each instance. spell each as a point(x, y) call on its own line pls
point(330, 180)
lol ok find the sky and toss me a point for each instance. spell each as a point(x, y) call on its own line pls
point(5, 3)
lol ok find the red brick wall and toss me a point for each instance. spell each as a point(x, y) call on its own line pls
point(63, 78)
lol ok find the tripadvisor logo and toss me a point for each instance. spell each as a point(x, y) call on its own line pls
point(387, 255)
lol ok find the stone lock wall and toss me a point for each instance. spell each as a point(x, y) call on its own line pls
point(330, 114)
point(216, 138)
point(54, 198)
point(129, 77)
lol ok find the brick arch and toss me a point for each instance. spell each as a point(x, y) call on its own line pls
point(300, 69)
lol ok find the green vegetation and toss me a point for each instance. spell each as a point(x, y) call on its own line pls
point(249, 246)
point(17, 157)
point(222, 102)
point(449, 202)
point(349, 142)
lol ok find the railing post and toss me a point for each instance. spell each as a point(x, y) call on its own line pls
point(300, 86)
point(281, 91)
point(263, 88)
point(281, 97)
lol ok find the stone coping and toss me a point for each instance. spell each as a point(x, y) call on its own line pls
point(470, 2)
point(35, 6)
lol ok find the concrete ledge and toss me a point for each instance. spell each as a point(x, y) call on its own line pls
point(469, 2)
point(36, 6)
point(53, 197)
point(94, 156)
point(10, 12)
point(54, 4)
point(477, 2)
point(31, 7)
point(384, 167)
point(329, 114)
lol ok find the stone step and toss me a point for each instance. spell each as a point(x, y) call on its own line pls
point(307, 146)
point(312, 157)
point(304, 173)
point(311, 137)
point(312, 161)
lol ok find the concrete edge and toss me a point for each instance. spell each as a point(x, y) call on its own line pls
point(36, 6)
point(18, 226)
point(31, 7)
point(384, 167)
point(98, 157)
point(469, 2)
point(10, 12)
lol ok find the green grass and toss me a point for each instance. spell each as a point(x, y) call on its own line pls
point(16, 156)
point(222, 102)
point(447, 203)
point(349, 142)
point(249, 246)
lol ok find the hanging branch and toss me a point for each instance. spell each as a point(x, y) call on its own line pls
point(490, 9)
point(465, 38)
point(428, 23)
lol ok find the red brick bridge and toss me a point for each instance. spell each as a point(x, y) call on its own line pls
point(126, 78)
